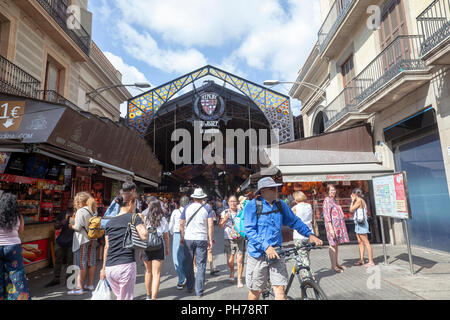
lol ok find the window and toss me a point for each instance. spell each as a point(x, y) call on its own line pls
point(5, 26)
point(53, 80)
point(393, 24)
point(348, 74)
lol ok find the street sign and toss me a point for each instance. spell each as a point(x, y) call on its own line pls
point(391, 196)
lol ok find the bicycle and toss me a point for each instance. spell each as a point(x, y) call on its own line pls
point(310, 289)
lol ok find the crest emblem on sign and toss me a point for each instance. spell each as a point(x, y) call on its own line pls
point(209, 103)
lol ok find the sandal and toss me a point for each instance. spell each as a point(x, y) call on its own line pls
point(368, 265)
point(342, 267)
point(337, 270)
point(240, 284)
point(359, 263)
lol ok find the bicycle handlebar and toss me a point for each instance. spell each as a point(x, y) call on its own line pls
point(288, 252)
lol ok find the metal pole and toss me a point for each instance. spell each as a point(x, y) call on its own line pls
point(411, 267)
point(384, 240)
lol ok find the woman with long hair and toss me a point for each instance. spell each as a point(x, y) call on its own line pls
point(119, 264)
point(359, 206)
point(155, 217)
point(335, 226)
point(84, 249)
point(13, 283)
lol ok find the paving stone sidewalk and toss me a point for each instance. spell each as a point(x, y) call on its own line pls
point(393, 281)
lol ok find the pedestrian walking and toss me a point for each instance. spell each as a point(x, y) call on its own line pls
point(335, 226)
point(84, 249)
point(212, 269)
point(63, 245)
point(234, 244)
point(359, 208)
point(177, 249)
point(153, 260)
point(119, 264)
point(263, 220)
point(196, 233)
point(303, 210)
point(13, 282)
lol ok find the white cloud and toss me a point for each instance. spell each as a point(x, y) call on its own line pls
point(130, 74)
point(143, 47)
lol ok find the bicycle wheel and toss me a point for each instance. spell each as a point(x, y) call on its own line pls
point(311, 291)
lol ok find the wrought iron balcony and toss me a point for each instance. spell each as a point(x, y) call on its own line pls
point(434, 25)
point(14, 80)
point(335, 16)
point(402, 55)
point(57, 9)
point(55, 97)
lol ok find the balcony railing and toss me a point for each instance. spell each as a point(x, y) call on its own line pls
point(14, 80)
point(434, 24)
point(403, 54)
point(55, 97)
point(338, 11)
point(58, 10)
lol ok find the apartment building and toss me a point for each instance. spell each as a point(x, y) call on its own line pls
point(386, 63)
point(48, 54)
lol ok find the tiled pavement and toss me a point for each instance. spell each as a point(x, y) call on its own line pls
point(382, 282)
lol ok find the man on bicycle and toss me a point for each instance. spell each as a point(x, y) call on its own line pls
point(263, 219)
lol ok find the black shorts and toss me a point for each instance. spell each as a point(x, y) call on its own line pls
point(153, 255)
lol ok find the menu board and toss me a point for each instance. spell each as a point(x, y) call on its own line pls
point(391, 196)
point(35, 251)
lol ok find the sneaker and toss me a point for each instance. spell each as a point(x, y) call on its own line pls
point(52, 283)
point(76, 292)
point(148, 297)
point(89, 288)
point(214, 271)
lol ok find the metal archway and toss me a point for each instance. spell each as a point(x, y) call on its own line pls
point(274, 105)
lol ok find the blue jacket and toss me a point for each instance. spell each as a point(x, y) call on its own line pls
point(267, 230)
point(112, 211)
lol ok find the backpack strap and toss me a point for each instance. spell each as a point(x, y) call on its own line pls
point(259, 208)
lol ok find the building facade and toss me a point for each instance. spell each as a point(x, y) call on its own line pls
point(386, 63)
point(47, 54)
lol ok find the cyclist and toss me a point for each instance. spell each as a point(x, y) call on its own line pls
point(263, 219)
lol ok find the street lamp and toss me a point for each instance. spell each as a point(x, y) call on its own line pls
point(97, 91)
point(306, 84)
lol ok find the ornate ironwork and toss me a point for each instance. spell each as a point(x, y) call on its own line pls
point(14, 80)
point(403, 54)
point(434, 24)
point(274, 105)
point(58, 11)
point(335, 16)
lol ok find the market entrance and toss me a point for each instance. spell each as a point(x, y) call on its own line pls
point(209, 137)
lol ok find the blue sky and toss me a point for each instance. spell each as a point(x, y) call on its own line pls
point(160, 40)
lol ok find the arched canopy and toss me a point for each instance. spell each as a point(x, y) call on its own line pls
point(275, 106)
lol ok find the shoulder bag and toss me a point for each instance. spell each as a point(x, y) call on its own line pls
point(132, 239)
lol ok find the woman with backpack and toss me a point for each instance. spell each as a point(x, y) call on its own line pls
point(155, 217)
point(83, 248)
point(234, 242)
point(119, 264)
point(359, 209)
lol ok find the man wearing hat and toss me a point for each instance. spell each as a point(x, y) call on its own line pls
point(197, 234)
point(264, 235)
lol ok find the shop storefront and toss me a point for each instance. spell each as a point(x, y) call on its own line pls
point(43, 190)
point(52, 152)
point(344, 158)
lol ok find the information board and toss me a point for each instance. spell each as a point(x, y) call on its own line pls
point(391, 196)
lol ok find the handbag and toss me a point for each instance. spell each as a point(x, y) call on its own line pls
point(154, 242)
point(359, 216)
point(132, 239)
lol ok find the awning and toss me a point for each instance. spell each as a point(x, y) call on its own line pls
point(344, 163)
point(81, 137)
